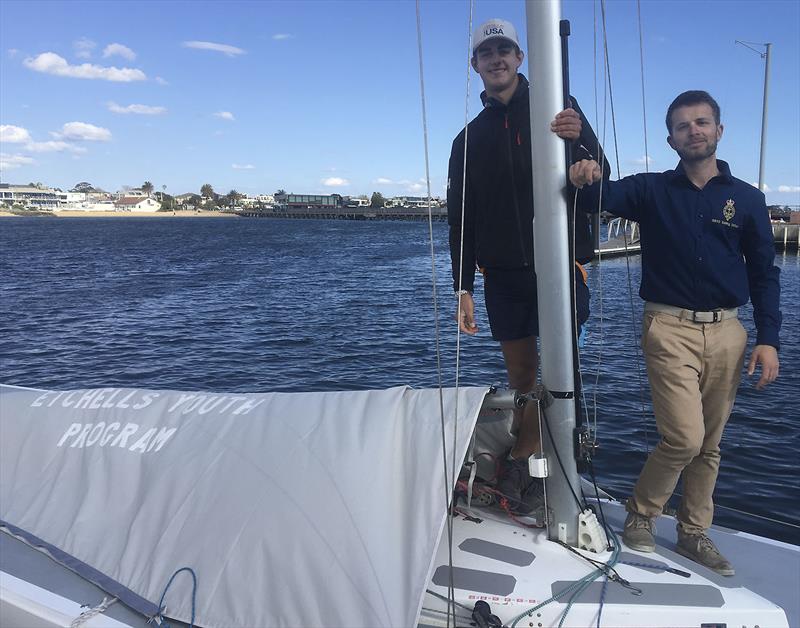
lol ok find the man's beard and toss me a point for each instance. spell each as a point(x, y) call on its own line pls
point(689, 156)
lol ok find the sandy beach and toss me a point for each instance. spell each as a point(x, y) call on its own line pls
point(111, 214)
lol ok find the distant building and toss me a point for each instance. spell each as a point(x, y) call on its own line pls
point(309, 201)
point(129, 194)
point(29, 196)
point(411, 201)
point(136, 204)
point(349, 201)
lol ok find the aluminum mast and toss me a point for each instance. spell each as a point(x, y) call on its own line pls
point(554, 267)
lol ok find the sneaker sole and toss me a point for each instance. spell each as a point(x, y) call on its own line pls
point(639, 547)
point(722, 572)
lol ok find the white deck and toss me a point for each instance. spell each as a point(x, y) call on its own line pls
point(768, 575)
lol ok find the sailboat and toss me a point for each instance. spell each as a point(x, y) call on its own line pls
point(131, 507)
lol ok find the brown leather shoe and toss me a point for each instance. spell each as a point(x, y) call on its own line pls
point(701, 549)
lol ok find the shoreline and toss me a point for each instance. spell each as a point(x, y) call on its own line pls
point(112, 214)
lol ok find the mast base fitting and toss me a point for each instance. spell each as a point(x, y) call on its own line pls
point(591, 535)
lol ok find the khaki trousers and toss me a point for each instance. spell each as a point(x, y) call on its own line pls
point(694, 370)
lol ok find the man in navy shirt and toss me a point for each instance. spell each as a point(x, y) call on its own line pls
point(707, 248)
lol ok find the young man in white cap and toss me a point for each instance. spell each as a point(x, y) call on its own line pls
point(497, 231)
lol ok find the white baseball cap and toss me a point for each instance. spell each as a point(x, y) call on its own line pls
point(494, 28)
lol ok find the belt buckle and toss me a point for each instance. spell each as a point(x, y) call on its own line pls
point(716, 316)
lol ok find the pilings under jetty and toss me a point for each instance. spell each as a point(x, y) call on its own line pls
point(349, 213)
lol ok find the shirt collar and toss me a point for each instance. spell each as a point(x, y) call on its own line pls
point(722, 166)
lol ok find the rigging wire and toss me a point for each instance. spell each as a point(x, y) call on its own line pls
point(451, 602)
point(447, 483)
point(641, 67)
point(452, 590)
point(633, 309)
point(601, 335)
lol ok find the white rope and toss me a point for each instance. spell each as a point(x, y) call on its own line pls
point(86, 615)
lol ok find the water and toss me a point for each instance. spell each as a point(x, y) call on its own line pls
point(277, 305)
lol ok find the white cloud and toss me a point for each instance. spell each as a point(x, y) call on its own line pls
point(282, 36)
point(644, 160)
point(51, 63)
point(161, 81)
point(83, 131)
point(9, 162)
point(413, 186)
point(83, 47)
point(764, 186)
point(11, 134)
point(13, 52)
point(789, 188)
point(243, 166)
point(333, 182)
point(53, 146)
point(225, 115)
point(230, 51)
point(144, 110)
point(383, 181)
point(120, 51)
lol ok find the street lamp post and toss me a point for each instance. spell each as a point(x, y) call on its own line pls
point(763, 55)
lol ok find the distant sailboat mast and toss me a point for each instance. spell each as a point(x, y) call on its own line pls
point(554, 266)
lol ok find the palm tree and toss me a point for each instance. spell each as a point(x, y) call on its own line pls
point(147, 187)
point(233, 196)
point(207, 191)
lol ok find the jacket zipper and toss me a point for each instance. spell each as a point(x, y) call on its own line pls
point(514, 189)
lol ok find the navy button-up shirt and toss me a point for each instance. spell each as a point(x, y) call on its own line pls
point(701, 249)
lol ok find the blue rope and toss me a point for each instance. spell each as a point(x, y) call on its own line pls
point(656, 567)
point(194, 594)
point(602, 600)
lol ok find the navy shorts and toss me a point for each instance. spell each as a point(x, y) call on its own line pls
point(512, 305)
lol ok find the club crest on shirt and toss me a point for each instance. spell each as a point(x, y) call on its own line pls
point(729, 210)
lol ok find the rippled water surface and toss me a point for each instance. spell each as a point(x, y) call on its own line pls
point(281, 305)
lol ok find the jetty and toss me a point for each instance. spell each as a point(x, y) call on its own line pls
point(438, 214)
point(622, 238)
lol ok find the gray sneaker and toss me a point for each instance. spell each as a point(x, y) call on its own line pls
point(701, 549)
point(638, 533)
point(513, 481)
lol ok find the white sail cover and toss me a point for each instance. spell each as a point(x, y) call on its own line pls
point(293, 509)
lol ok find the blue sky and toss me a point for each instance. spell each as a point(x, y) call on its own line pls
point(319, 97)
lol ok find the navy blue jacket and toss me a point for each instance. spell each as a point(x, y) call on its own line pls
point(701, 249)
point(498, 208)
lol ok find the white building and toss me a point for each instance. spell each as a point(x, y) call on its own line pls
point(28, 196)
point(137, 204)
